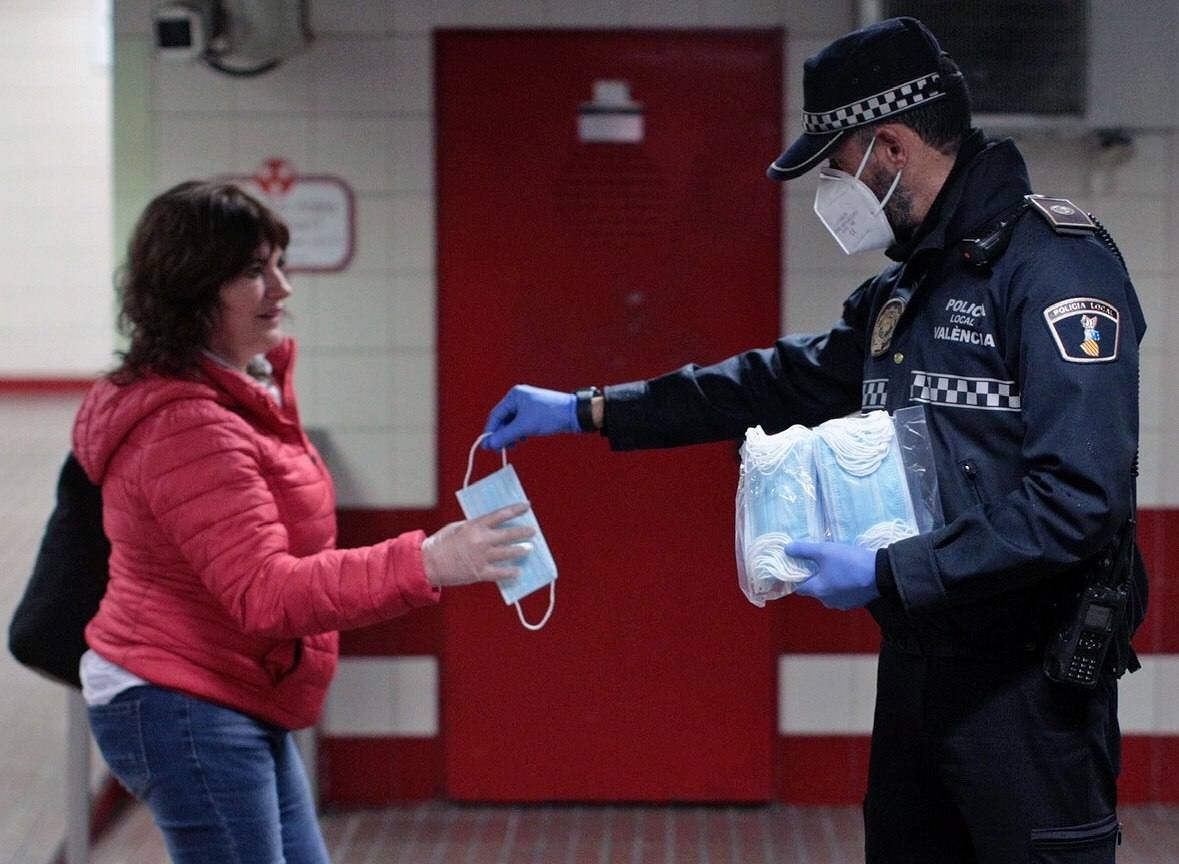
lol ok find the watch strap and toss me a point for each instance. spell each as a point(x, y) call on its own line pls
point(585, 412)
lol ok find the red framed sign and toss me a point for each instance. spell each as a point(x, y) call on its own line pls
point(320, 210)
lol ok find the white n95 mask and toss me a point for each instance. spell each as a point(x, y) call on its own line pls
point(537, 567)
point(849, 209)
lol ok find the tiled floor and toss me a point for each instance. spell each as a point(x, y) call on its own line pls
point(448, 834)
point(34, 437)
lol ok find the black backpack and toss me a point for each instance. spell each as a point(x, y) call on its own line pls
point(68, 581)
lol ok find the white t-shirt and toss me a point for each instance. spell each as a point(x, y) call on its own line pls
point(103, 680)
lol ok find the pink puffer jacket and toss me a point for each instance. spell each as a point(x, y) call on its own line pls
point(224, 580)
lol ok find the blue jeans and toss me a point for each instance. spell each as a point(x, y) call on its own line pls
point(223, 787)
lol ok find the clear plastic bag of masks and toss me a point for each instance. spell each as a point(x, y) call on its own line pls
point(867, 479)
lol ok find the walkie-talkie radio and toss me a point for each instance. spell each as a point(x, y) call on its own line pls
point(1079, 653)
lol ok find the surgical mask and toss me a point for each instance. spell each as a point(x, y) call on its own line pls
point(849, 209)
point(861, 477)
point(537, 567)
point(778, 503)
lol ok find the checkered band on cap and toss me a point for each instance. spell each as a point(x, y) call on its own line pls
point(873, 108)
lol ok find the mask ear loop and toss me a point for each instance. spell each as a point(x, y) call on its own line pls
point(860, 170)
point(552, 585)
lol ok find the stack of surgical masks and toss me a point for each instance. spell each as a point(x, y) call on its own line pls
point(859, 470)
point(780, 505)
point(844, 481)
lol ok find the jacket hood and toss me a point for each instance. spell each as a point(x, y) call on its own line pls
point(111, 411)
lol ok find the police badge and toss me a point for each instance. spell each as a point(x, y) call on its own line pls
point(886, 324)
point(1085, 329)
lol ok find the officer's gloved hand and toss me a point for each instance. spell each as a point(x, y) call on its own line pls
point(529, 411)
point(847, 574)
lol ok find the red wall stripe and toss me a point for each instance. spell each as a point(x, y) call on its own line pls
point(419, 631)
point(376, 771)
point(45, 385)
point(1159, 633)
point(822, 769)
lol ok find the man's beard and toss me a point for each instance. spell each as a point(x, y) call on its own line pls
point(899, 209)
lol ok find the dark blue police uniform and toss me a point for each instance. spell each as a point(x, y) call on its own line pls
point(1028, 371)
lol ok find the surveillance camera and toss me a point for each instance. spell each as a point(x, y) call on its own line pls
point(179, 31)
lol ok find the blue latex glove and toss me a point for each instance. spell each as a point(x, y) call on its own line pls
point(528, 411)
point(847, 574)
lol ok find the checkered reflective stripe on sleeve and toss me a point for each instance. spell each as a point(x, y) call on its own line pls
point(874, 394)
point(988, 394)
point(874, 107)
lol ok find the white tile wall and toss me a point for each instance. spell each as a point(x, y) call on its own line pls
point(260, 136)
point(389, 468)
point(664, 13)
point(132, 17)
point(826, 694)
point(374, 235)
point(383, 696)
point(353, 75)
point(1154, 383)
point(55, 193)
point(413, 74)
point(412, 168)
point(412, 246)
point(1153, 292)
point(1154, 449)
point(337, 17)
point(506, 13)
point(1138, 694)
point(1166, 681)
point(344, 146)
point(352, 312)
point(354, 390)
point(740, 13)
point(413, 322)
point(289, 88)
point(1146, 698)
point(577, 13)
point(1138, 225)
point(190, 86)
point(192, 146)
point(834, 694)
point(806, 18)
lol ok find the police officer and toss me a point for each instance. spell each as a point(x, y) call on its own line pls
point(1017, 328)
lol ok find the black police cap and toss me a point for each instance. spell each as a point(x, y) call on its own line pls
point(865, 76)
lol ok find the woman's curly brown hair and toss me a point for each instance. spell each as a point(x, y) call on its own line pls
point(190, 241)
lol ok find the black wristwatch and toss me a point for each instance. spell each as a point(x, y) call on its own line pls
point(585, 407)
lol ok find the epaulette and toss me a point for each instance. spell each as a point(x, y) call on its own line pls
point(1063, 215)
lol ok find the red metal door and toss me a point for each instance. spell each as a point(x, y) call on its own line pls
point(564, 262)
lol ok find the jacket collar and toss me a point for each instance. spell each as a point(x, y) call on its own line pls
point(988, 177)
point(237, 389)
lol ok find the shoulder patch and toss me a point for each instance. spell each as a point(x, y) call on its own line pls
point(1085, 329)
point(1063, 215)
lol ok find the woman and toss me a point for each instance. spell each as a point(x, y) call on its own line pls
point(217, 634)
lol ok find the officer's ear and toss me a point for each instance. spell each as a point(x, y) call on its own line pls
point(896, 145)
